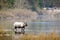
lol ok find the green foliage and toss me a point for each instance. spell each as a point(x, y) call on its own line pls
point(6, 4)
point(32, 4)
point(40, 4)
point(11, 3)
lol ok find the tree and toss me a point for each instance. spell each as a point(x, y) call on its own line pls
point(6, 4)
point(11, 3)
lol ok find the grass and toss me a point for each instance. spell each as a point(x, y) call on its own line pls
point(5, 38)
point(4, 35)
point(41, 36)
point(50, 36)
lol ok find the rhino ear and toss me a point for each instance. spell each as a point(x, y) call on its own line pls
point(26, 24)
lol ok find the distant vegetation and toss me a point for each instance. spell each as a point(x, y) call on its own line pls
point(11, 3)
point(33, 4)
point(6, 4)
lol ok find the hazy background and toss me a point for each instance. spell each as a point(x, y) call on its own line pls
point(41, 15)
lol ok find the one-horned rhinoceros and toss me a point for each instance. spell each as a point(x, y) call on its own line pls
point(19, 27)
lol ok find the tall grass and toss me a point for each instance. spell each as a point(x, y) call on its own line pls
point(50, 36)
point(41, 36)
point(4, 35)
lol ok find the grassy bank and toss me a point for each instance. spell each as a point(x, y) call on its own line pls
point(41, 36)
point(50, 36)
point(4, 35)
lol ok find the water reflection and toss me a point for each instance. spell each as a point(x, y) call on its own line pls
point(37, 27)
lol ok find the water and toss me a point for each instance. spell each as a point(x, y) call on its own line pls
point(36, 26)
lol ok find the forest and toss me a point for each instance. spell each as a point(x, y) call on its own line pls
point(32, 4)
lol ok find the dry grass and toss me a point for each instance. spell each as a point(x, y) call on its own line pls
point(42, 36)
point(18, 14)
point(50, 36)
point(4, 35)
